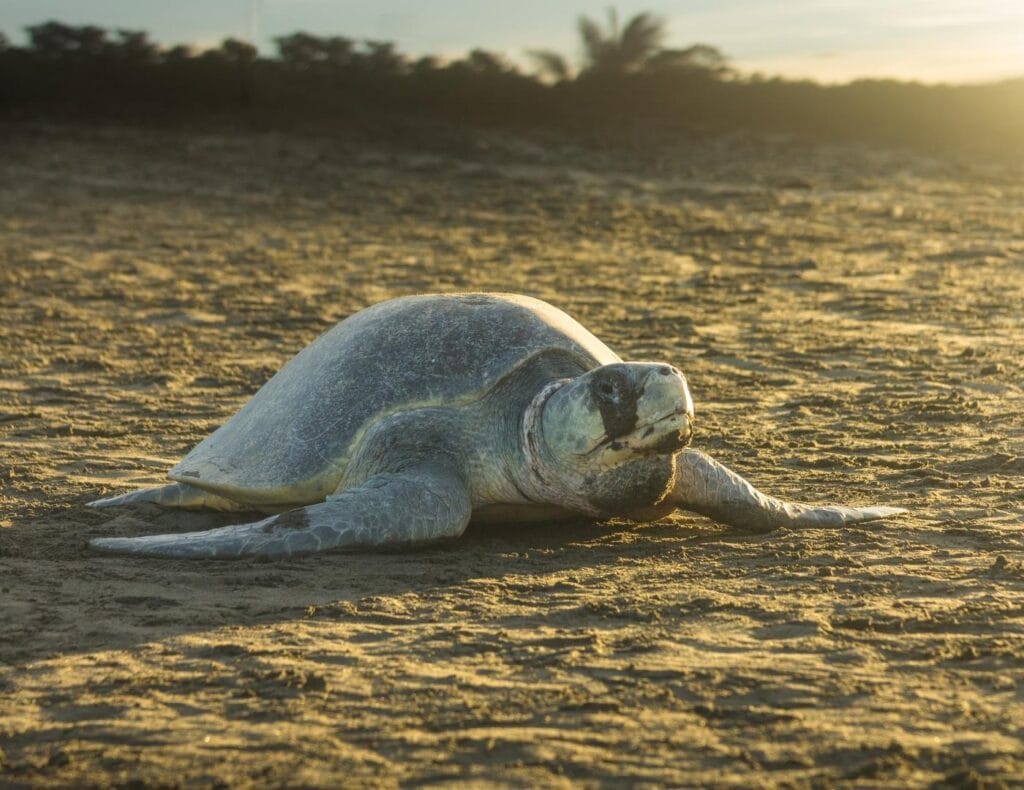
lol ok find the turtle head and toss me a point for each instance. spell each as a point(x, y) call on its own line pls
point(606, 432)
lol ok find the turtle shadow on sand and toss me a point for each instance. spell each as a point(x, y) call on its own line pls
point(90, 603)
point(554, 537)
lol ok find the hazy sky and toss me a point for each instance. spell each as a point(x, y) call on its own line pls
point(931, 40)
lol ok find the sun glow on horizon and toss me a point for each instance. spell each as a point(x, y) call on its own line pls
point(922, 40)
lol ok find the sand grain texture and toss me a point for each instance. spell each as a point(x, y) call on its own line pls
point(851, 322)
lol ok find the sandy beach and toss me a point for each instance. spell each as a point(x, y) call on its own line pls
point(851, 321)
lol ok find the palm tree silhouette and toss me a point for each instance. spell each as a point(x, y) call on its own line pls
point(620, 50)
point(615, 50)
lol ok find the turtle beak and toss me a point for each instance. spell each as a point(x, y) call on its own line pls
point(667, 405)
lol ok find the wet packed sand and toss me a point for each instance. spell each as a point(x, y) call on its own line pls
point(852, 324)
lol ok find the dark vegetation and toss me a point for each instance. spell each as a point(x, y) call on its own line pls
point(627, 85)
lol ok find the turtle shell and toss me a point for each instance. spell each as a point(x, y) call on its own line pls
point(290, 443)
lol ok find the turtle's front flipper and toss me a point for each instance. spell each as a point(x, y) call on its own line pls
point(705, 486)
point(393, 509)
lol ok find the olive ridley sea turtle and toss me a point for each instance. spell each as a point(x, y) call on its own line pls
point(414, 416)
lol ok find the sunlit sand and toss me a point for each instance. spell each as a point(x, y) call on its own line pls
point(850, 322)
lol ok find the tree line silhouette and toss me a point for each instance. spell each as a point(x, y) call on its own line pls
point(627, 83)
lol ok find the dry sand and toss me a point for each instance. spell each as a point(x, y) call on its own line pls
point(852, 323)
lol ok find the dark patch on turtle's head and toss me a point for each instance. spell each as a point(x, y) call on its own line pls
point(614, 391)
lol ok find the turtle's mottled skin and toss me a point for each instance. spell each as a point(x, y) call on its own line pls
point(413, 416)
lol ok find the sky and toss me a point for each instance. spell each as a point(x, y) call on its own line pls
point(827, 40)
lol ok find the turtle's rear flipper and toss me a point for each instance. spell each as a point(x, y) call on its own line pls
point(179, 495)
point(705, 486)
point(389, 510)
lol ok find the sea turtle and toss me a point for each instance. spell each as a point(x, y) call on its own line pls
point(411, 417)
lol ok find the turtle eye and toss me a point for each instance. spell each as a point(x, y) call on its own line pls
point(607, 389)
